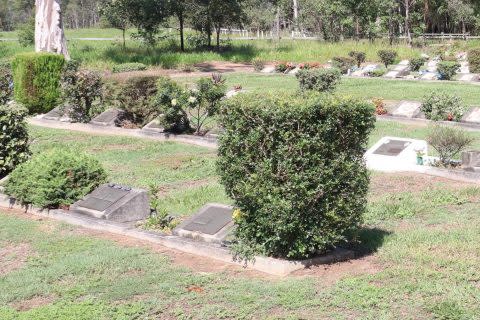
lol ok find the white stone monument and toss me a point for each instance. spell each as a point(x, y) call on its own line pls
point(49, 33)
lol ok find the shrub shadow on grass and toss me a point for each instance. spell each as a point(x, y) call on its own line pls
point(370, 240)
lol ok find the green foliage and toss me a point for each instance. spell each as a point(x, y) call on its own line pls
point(376, 73)
point(159, 218)
point(258, 64)
point(448, 310)
point(55, 178)
point(171, 100)
point(474, 60)
point(318, 79)
point(26, 33)
point(13, 138)
point(443, 107)
point(204, 101)
point(37, 80)
point(136, 99)
point(447, 69)
point(448, 142)
point(343, 63)
point(129, 67)
point(387, 57)
point(416, 63)
point(6, 82)
point(359, 57)
point(294, 167)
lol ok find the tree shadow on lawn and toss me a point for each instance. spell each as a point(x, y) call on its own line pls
point(370, 240)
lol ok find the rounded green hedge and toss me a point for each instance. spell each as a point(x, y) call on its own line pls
point(55, 178)
point(295, 169)
point(36, 78)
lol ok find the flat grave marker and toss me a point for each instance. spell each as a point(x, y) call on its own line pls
point(269, 69)
point(57, 114)
point(471, 160)
point(473, 116)
point(429, 76)
point(400, 68)
point(154, 126)
point(408, 109)
point(116, 203)
point(213, 223)
point(392, 148)
point(404, 63)
point(107, 118)
point(468, 77)
point(392, 74)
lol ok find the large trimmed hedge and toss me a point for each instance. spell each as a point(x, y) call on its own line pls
point(294, 167)
point(13, 138)
point(36, 78)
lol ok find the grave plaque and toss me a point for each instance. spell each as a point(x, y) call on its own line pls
point(429, 76)
point(213, 223)
point(473, 116)
point(408, 109)
point(269, 69)
point(400, 68)
point(404, 63)
point(154, 126)
point(392, 74)
point(471, 160)
point(107, 118)
point(392, 148)
point(116, 203)
point(468, 77)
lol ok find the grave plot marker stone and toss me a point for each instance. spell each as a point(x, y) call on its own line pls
point(404, 63)
point(471, 161)
point(116, 203)
point(233, 93)
point(473, 116)
point(57, 114)
point(468, 77)
point(107, 118)
point(408, 109)
point(392, 74)
point(213, 224)
point(269, 69)
point(432, 66)
point(154, 126)
point(429, 76)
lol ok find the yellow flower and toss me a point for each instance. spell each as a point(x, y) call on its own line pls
point(237, 215)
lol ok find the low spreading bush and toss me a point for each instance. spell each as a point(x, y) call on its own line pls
point(55, 178)
point(443, 107)
point(343, 63)
point(474, 60)
point(37, 80)
point(294, 167)
point(136, 99)
point(129, 67)
point(318, 79)
point(258, 64)
point(13, 138)
point(416, 63)
point(171, 100)
point(449, 142)
point(82, 92)
point(358, 56)
point(447, 69)
point(387, 57)
point(377, 73)
point(6, 82)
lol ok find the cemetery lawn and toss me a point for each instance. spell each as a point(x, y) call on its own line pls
point(421, 246)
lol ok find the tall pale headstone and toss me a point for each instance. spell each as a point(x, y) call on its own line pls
point(49, 33)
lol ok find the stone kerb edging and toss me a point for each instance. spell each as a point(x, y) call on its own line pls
point(276, 267)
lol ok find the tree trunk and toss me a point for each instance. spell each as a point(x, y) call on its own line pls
point(218, 38)
point(278, 23)
point(295, 15)
point(408, 35)
point(357, 27)
point(49, 33)
point(182, 25)
point(124, 41)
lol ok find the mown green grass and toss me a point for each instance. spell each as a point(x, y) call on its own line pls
point(423, 265)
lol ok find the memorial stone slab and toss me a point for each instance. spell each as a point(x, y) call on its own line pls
point(468, 77)
point(57, 114)
point(269, 69)
point(404, 63)
point(429, 76)
point(213, 223)
point(107, 118)
point(116, 203)
point(154, 126)
point(400, 68)
point(471, 160)
point(392, 74)
point(233, 93)
point(294, 71)
point(473, 116)
point(408, 109)
point(432, 66)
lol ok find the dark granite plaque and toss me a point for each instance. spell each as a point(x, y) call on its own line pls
point(102, 198)
point(210, 221)
point(107, 118)
point(392, 148)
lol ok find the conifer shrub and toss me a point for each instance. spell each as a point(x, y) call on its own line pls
point(36, 78)
point(320, 80)
point(387, 57)
point(294, 167)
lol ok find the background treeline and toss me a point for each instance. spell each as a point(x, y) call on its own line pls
point(330, 19)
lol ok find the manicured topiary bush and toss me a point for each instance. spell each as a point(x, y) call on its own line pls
point(55, 178)
point(359, 57)
point(294, 167)
point(387, 57)
point(6, 82)
point(474, 60)
point(13, 138)
point(129, 67)
point(343, 63)
point(416, 63)
point(36, 78)
point(136, 99)
point(318, 79)
point(443, 107)
point(448, 69)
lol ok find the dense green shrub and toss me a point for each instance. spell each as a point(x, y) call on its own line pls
point(359, 57)
point(449, 142)
point(376, 73)
point(447, 69)
point(26, 33)
point(204, 101)
point(37, 80)
point(171, 100)
point(416, 63)
point(443, 106)
point(294, 167)
point(55, 178)
point(343, 63)
point(6, 82)
point(474, 60)
point(82, 93)
point(318, 79)
point(387, 57)
point(13, 138)
point(129, 67)
point(136, 99)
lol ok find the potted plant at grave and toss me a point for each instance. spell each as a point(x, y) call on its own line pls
point(420, 156)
